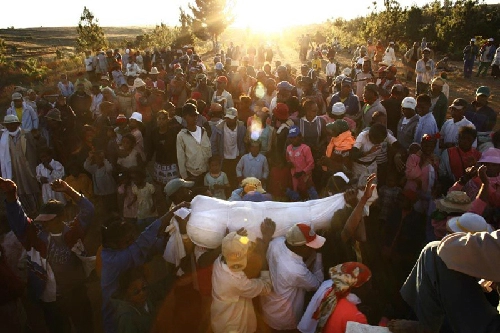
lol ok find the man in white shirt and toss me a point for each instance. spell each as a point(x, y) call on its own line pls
point(232, 291)
point(331, 69)
point(295, 268)
point(449, 131)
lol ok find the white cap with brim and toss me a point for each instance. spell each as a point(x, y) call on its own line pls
point(175, 184)
point(468, 222)
point(302, 234)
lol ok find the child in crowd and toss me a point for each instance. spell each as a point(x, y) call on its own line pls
point(144, 195)
point(48, 171)
point(337, 151)
point(135, 125)
point(253, 164)
point(102, 179)
point(121, 127)
point(127, 202)
point(301, 162)
point(215, 179)
point(129, 155)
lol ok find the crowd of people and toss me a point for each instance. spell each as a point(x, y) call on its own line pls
point(98, 175)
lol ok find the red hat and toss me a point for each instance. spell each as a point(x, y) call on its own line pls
point(222, 78)
point(189, 51)
point(382, 69)
point(196, 95)
point(121, 119)
point(281, 111)
point(392, 69)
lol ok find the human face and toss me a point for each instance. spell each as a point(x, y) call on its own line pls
point(12, 127)
point(214, 167)
point(191, 119)
point(457, 114)
point(18, 103)
point(436, 89)
point(133, 123)
point(127, 144)
point(296, 141)
point(345, 89)
point(366, 66)
point(80, 87)
point(465, 142)
point(254, 150)
point(312, 112)
point(422, 108)
point(162, 120)
point(231, 123)
point(221, 85)
point(492, 169)
point(408, 113)
point(137, 292)
point(369, 96)
point(425, 55)
point(428, 146)
point(482, 99)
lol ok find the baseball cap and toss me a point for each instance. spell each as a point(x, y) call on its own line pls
point(175, 184)
point(234, 250)
point(338, 109)
point(16, 95)
point(222, 79)
point(50, 210)
point(483, 90)
point(372, 87)
point(136, 116)
point(459, 104)
point(409, 103)
point(391, 69)
point(302, 234)
point(347, 80)
point(294, 132)
point(231, 113)
point(491, 40)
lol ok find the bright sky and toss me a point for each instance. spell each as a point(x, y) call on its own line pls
point(255, 14)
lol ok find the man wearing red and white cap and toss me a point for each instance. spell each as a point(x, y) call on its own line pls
point(221, 95)
point(295, 268)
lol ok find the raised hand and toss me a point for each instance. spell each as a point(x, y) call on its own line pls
point(267, 227)
point(370, 186)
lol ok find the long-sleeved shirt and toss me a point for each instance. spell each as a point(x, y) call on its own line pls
point(252, 166)
point(331, 69)
point(115, 262)
point(192, 156)
point(425, 75)
point(102, 177)
point(291, 278)
point(426, 125)
point(449, 131)
point(66, 89)
point(301, 157)
point(232, 293)
point(29, 117)
point(406, 130)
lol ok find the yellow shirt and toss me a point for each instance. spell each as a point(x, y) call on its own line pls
point(19, 113)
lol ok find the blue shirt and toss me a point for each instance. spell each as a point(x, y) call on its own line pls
point(250, 166)
point(426, 125)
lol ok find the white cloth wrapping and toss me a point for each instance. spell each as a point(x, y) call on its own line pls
point(353, 327)
point(174, 251)
point(211, 217)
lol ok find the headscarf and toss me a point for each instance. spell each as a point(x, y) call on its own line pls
point(344, 276)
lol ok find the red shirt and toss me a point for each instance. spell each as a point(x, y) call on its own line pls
point(344, 311)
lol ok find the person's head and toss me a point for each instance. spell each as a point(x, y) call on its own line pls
point(255, 147)
point(51, 216)
point(117, 234)
point(295, 136)
point(472, 41)
point(281, 112)
point(138, 176)
point(346, 86)
point(214, 164)
point(235, 251)
point(284, 91)
point(437, 86)
point(53, 118)
point(337, 183)
point(338, 110)
point(231, 117)
point(46, 155)
point(408, 107)
point(482, 95)
point(11, 123)
point(426, 54)
point(347, 276)
point(179, 190)
point(310, 108)
point(370, 94)
point(423, 104)
point(367, 66)
point(135, 120)
point(466, 137)
point(491, 159)
point(128, 142)
point(242, 70)
point(190, 114)
point(391, 72)
point(17, 99)
point(457, 109)
point(379, 118)
point(221, 83)
point(428, 143)
point(162, 118)
point(303, 241)
point(304, 69)
point(282, 73)
point(377, 134)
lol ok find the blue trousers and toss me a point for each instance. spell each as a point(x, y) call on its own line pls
point(468, 64)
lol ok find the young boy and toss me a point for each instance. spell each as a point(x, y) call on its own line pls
point(253, 164)
point(301, 162)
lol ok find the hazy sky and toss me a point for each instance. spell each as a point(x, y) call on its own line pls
point(254, 13)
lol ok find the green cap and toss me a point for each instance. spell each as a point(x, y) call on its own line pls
point(483, 90)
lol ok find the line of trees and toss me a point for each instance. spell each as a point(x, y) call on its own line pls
point(447, 25)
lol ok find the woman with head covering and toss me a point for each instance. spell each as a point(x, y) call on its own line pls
point(333, 305)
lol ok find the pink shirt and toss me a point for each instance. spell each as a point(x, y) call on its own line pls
point(427, 174)
point(301, 157)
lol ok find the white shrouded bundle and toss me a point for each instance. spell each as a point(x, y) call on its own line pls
point(210, 217)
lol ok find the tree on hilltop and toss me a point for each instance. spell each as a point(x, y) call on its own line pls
point(210, 18)
point(90, 34)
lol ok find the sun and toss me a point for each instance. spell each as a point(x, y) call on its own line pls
point(258, 17)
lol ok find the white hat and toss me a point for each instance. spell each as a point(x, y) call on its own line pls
point(219, 66)
point(338, 109)
point(231, 113)
point(154, 70)
point(361, 61)
point(468, 222)
point(347, 71)
point(136, 116)
point(409, 103)
point(127, 51)
point(472, 39)
point(491, 40)
point(341, 175)
point(139, 83)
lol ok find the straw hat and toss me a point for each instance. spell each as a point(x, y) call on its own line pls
point(454, 202)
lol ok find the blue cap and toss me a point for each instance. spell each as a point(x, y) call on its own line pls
point(294, 132)
point(285, 85)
